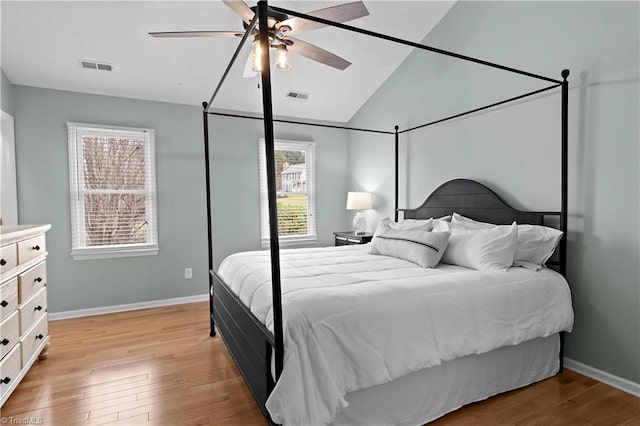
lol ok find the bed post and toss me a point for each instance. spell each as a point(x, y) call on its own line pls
point(396, 188)
point(565, 188)
point(564, 159)
point(205, 125)
point(274, 243)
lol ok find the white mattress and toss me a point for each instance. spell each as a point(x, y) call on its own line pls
point(353, 320)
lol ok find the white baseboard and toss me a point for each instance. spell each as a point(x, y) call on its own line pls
point(604, 377)
point(128, 307)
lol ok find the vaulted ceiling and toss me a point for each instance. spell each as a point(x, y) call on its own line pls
point(44, 41)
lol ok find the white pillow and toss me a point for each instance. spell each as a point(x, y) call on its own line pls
point(482, 249)
point(534, 246)
point(440, 219)
point(417, 245)
point(416, 223)
point(412, 224)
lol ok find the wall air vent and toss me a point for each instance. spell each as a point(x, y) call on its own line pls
point(297, 96)
point(93, 65)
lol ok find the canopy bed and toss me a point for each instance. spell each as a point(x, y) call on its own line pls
point(302, 370)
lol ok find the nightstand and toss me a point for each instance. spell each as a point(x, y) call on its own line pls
point(350, 238)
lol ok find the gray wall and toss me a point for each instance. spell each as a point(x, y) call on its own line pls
point(43, 192)
point(515, 149)
point(43, 197)
point(235, 181)
point(7, 94)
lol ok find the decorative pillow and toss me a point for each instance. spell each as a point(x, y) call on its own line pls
point(407, 224)
point(417, 223)
point(417, 245)
point(534, 246)
point(412, 224)
point(482, 249)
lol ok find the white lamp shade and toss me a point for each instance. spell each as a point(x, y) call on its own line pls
point(359, 201)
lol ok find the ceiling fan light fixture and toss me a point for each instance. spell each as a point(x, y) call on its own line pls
point(279, 27)
point(282, 57)
point(256, 55)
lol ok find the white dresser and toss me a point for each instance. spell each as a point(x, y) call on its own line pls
point(23, 303)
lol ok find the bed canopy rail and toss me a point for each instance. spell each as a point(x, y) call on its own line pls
point(261, 383)
point(303, 123)
point(475, 110)
point(411, 43)
point(247, 32)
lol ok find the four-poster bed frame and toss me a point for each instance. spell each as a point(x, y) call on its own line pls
point(250, 343)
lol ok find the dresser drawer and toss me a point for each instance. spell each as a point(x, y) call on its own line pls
point(8, 298)
point(9, 333)
point(31, 282)
point(33, 309)
point(9, 369)
point(30, 342)
point(8, 258)
point(33, 247)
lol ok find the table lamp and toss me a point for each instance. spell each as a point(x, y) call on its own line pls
point(359, 201)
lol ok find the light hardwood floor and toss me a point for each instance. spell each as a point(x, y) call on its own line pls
point(160, 367)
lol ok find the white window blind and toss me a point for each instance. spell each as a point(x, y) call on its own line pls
point(295, 186)
point(113, 191)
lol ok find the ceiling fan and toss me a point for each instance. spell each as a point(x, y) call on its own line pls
point(281, 27)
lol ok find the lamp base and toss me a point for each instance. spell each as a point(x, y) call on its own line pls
point(359, 223)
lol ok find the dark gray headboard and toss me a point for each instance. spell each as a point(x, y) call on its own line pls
point(474, 200)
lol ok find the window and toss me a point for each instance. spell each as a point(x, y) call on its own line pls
point(295, 193)
point(113, 191)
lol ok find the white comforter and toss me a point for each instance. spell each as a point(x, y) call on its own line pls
point(354, 320)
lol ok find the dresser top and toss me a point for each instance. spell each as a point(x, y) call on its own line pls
point(12, 233)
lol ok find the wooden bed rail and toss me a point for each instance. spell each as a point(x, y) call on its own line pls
point(250, 343)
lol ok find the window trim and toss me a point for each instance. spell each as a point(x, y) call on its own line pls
point(75, 132)
point(293, 240)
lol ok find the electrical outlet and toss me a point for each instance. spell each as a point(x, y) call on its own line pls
point(188, 273)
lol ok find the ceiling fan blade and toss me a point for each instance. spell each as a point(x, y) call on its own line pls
point(240, 8)
point(341, 13)
point(169, 34)
point(248, 71)
point(317, 54)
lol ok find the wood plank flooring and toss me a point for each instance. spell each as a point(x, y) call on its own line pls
point(160, 367)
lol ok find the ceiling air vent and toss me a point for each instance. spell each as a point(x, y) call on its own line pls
point(298, 96)
point(92, 65)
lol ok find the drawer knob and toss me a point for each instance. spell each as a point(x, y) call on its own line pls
point(39, 336)
point(38, 280)
point(5, 380)
point(4, 303)
point(5, 342)
point(3, 262)
point(36, 248)
point(38, 308)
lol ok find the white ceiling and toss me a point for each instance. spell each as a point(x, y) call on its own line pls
point(42, 42)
